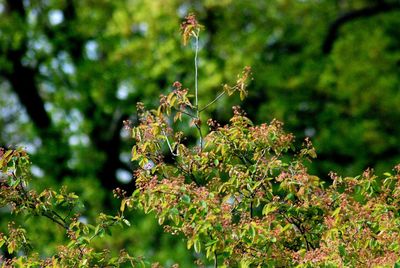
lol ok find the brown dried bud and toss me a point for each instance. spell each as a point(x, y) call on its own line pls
point(177, 85)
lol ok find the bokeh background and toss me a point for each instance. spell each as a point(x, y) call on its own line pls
point(72, 70)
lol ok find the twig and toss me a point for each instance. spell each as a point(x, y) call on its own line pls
point(201, 136)
point(217, 98)
point(169, 144)
point(297, 222)
point(193, 178)
point(196, 87)
point(195, 70)
point(69, 213)
point(54, 220)
point(215, 259)
point(188, 114)
point(59, 217)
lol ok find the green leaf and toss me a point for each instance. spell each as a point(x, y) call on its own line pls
point(11, 247)
point(242, 95)
point(5, 158)
point(186, 199)
point(18, 171)
point(218, 227)
point(101, 232)
point(189, 243)
point(210, 243)
point(287, 226)
point(252, 232)
point(268, 208)
point(252, 168)
point(135, 155)
point(123, 203)
point(174, 211)
point(342, 251)
point(126, 222)
point(336, 212)
point(290, 196)
point(197, 246)
point(244, 264)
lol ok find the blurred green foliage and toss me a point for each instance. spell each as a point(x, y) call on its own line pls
point(71, 71)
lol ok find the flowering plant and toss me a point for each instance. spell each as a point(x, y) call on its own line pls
point(243, 196)
point(60, 207)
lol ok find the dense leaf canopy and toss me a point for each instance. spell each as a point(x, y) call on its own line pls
point(72, 71)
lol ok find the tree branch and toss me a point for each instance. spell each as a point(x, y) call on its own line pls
point(23, 82)
point(22, 78)
point(353, 15)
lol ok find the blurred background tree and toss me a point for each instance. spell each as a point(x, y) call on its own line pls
point(72, 71)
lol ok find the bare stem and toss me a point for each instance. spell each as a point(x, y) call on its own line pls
point(196, 65)
point(200, 135)
point(169, 144)
point(217, 98)
point(196, 86)
point(215, 259)
point(186, 113)
point(62, 224)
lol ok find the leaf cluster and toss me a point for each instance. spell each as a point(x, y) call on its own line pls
point(245, 196)
point(60, 207)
